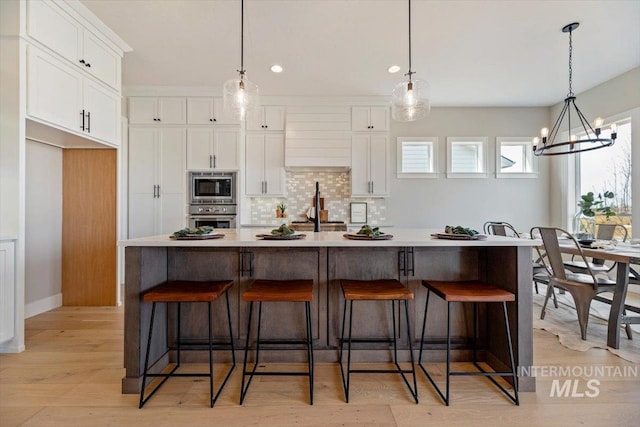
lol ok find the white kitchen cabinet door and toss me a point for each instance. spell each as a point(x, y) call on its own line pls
point(54, 28)
point(157, 181)
point(172, 110)
point(379, 119)
point(200, 110)
point(274, 118)
point(274, 175)
point(368, 119)
point(378, 152)
point(254, 162)
point(7, 291)
point(54, 90)
point(267, 118)
point(143, 110)
point(360, 119)
point(226, 148)
point(360, 182)
point(100, 61)
point(199, 148)
point(142, 181)
point(171, 179)
point(220, 118)
point(102, 108)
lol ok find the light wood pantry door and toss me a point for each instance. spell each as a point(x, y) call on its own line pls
point(89, 227)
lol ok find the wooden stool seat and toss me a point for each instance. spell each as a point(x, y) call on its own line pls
point(375, 290)
point(179, 292)
point(382, 290)
point(187, 291)
point(279, 290)
point(265, 291)
point(468, 291)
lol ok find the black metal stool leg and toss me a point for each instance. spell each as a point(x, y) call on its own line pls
point(146, 359)
point(424, 324)
point(178, 336)
point(309, 349)
point(395, 338)
point(243, 388)
point(515, 399)
point(414, 392)
point(211, 400)
point(349, 349)
point(344, 322)
point(446, 400)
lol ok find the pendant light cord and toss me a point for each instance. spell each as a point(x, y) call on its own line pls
point(409, 73)
point(570, 64)
point(241, 70)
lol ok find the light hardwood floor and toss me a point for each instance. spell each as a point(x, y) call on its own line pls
point(70, 376)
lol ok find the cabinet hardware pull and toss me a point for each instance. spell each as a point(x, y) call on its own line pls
point(215, 161)
point(210, 161)
point(371, 187)
point(210, 120)
point(411, 269)
point(154, 191)
point(82, 114)
point(401, 263)
point(159, 120)
point(87, 65)
point(266, 187)
point(89, 121)
point(158, 191)
point(215, 120)
point(82, 61)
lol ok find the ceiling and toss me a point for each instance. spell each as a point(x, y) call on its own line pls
point(472, 53)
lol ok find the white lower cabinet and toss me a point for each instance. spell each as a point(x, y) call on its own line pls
point(61, 96)
point(264, 171)
point(213, 148)
point(369, 165)
point(7, 291)
point(157, 181)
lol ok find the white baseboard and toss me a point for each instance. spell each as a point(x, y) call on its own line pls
point(45, 304)
point(10, 347)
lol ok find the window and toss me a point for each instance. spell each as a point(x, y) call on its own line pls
point(417, 157)
point(467, 157)
point(608, 169)
point(515, 159)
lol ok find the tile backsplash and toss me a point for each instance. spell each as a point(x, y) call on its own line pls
point(335, 187)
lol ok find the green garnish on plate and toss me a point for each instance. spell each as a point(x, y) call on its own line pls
point(366, 230)
point(460, 230)
point(198, 231)
point(283, 230)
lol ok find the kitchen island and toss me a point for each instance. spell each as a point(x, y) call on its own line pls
point(326, 257)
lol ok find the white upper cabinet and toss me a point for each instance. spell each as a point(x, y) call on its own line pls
point(91, 109)
point(264, 163)
point(209, 148)
point(267, 118)
point(369, 119)
point(169, 110)
point(369, 165)
point(206, 111)
point(52, 26)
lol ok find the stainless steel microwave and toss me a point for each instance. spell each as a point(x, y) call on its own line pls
point(212, 187)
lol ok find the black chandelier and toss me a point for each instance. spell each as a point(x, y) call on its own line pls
point(547, 145)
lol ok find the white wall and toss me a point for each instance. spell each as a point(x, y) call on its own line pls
point(610, 99)
point(43, 233)
point(435, 203)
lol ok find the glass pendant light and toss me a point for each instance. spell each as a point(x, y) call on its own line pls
point(547, 145)
point(239, 95)
point(410, 99)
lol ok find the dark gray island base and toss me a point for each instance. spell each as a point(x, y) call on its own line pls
point(325, 259)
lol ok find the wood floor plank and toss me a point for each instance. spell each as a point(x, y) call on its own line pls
point(71, 372)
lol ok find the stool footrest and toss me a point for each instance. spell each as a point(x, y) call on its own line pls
point(481, 374)
point(368, 340)
point(278, 373)
point(180, 374)
point(380, 371)
point(280, 342)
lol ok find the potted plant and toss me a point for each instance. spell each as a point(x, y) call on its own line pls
point(589, 206)
point(280, 210)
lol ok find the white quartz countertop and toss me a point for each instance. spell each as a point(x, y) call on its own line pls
point(246, 237)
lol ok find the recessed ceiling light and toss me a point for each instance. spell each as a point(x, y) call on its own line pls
point(276, 68)
point(394, 69)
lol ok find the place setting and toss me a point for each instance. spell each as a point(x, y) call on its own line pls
point(459, 233)
point(366, 232)
point(204, 232)
point(284, 232)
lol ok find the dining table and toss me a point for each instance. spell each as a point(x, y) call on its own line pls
point(623, 255)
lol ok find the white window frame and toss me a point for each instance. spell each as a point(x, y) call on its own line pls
point(480, 141)
point(524, 141)
point(431, 141)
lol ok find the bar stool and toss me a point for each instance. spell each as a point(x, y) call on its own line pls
point(187, 292)
point(278, 291)
point(376, 290)
point(475, 292)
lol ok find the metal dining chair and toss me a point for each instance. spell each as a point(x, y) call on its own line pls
point(584, 288)
point(539, 273)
